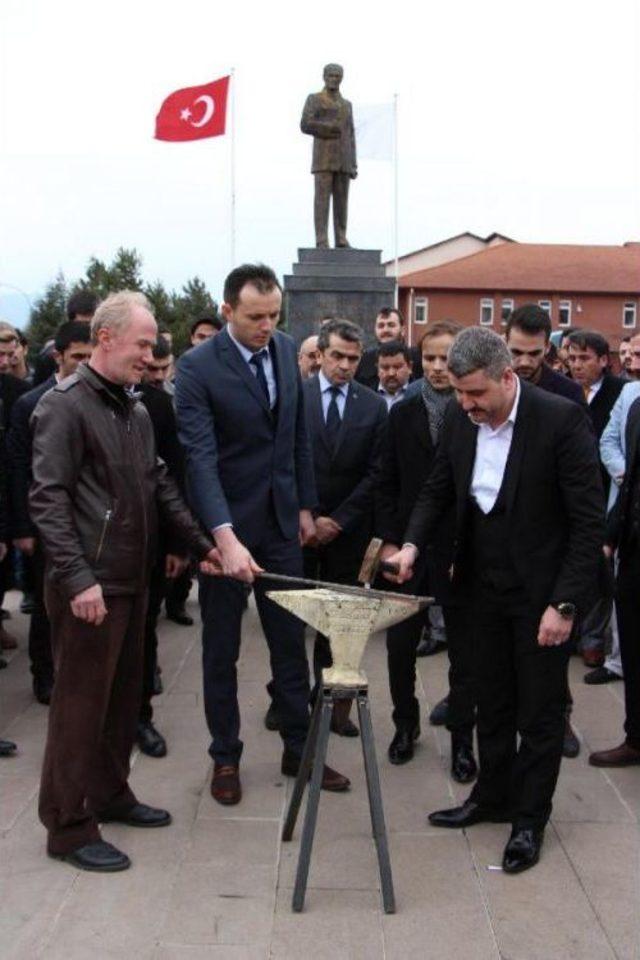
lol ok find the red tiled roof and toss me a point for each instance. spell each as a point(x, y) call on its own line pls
point(544, 267)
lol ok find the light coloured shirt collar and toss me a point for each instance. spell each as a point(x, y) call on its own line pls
point(244, 351)
point(326, 384)
point(394, 396)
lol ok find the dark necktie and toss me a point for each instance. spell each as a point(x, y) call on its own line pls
point(332, 425)
point(256, 362)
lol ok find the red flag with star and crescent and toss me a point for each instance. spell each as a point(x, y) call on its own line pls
point(194, 112)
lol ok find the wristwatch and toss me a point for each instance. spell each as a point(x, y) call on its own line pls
point(566, 610)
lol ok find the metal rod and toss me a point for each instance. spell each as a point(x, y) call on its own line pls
point(375, 804)
point(303, 771)
point(343, 588)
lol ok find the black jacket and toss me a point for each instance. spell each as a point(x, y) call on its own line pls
point(562, 386)
point(554, 498)
point(10, 390)
point(346, 478)
point(19, 454)
point(408, 456)
point(602, 404)
point(99, 490)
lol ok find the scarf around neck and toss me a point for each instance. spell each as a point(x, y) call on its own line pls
point(436, 402)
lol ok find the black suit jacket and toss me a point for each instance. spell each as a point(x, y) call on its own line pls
point(10, 390)
point(346, 478)
point(601, 405)
point(408, 456)
point(561, 385)
point(553, 492)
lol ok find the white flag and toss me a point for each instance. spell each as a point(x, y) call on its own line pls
point(374, 131)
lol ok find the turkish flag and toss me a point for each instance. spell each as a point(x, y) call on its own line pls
point(194, 113)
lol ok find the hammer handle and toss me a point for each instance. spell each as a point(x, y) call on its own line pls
point(386, 567)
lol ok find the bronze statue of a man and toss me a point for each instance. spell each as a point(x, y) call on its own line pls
point(328, 118)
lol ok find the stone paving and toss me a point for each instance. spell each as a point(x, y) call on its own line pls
point(218, 882)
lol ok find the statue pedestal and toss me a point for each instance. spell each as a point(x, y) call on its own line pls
point(346, 283)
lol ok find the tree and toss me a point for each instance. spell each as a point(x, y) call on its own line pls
point(48, 312)
point(175, 311)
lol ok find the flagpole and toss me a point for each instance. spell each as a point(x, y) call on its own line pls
point(395, 196)
point(233, 169)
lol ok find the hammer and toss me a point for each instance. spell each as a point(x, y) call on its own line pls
point(372, 564)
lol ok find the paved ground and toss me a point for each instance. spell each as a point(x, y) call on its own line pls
point(218, 883)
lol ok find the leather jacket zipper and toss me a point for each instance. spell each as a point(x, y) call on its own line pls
point(105, 525)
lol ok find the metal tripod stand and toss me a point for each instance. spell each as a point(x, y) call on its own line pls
point(314, 756)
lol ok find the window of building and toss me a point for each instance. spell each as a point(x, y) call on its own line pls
point(564, 313)
point(546, 305)
point(421, 310)
point(507, 310)
point(486, 311)
point(629, 314)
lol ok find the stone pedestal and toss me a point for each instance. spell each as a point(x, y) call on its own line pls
point(345, 283)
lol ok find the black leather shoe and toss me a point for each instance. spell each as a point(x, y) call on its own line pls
point(7, 748)
point(272, 718)
point(179, 615)
point(158, 685)
point(151, 740)
point(3, 663)
point(522, 851)
point(570, 743)
point(440, 713)
point(101, 857)
point(601, 675)
point(331, 779)
point(139, 815)
point(466, 815)
point(401, 747)
point(464, 768)
point(42, 688)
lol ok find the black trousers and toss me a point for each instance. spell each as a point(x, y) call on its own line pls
point(40, 653)
point(157, 591)
point(521, 690)
point(402, 640)
point(628, 612)
point(222, 603)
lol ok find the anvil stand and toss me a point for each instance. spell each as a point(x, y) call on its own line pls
point(348, 621)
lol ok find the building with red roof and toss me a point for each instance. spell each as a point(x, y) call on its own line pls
point(594, 287)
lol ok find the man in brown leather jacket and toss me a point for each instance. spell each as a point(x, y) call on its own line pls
point(99, 493)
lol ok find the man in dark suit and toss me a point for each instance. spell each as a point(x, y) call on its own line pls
point(588, 358)
point(409, 446)
point(624, 534)
point(520, 467)
point(528, 337)
point(389, 327)
point(250, 480)
point(345, 422)
point(71, 347)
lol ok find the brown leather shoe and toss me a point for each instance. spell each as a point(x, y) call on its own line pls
point(593, 658)
point(331, 779)
point(225, 784)
point(622, 756)
point(7, 642)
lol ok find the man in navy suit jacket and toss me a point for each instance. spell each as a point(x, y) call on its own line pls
point(250, 481)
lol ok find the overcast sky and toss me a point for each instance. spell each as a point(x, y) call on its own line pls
point(520, 118)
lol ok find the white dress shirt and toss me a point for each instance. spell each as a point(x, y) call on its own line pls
point(267, 366)
point(593, 389)
point(492, 452)
point(391, 398)
point(325, 393)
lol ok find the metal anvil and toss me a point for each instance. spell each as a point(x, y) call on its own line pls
point(348, 619)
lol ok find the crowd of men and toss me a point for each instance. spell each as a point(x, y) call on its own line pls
point(500, 472)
